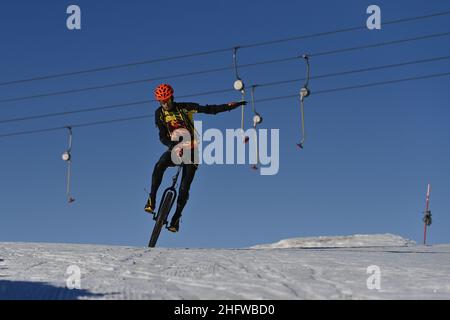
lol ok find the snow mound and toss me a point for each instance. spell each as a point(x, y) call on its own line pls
point(358, 240)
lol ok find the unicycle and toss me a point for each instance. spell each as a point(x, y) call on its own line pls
point(168, 199)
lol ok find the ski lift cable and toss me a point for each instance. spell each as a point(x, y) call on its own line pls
point(267, 84)
point(380, 44)
point(81, 125)
point(65, 113)
point(216, 51)
point(201, 72)
point(429, 76)
point(356, 28)
point(366, 85)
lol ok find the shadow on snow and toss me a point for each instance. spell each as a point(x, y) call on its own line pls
point(25, 290)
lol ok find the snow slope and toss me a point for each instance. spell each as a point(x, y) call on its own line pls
point(308, 268)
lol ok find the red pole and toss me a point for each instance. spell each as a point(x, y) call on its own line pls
point(427, 210)
point(424, 234)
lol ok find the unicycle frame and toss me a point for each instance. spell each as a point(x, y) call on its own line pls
point(168, 199)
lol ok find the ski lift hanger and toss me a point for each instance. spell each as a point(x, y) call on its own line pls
point(239, 86)
point(304, 92)
point(238, 83)
point(67, 157)
point(257, 120)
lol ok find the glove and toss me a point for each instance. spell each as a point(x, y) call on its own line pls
point(237, 104)
point(180, 148)
point(179, 151)
point(178, 134)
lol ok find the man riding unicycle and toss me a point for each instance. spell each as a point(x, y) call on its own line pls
point(175, 120)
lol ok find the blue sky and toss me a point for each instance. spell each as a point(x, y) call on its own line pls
point(369, 155)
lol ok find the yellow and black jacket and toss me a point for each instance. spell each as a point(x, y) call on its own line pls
point(182, 116)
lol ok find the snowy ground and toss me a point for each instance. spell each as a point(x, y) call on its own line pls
point(308, 268)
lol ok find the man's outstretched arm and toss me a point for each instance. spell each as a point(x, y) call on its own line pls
point(212, 108)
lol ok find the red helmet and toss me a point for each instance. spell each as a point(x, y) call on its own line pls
point(163, 92)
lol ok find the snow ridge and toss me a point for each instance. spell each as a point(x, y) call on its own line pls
point(353, 241)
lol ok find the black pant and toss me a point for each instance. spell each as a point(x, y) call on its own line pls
point(186, 179)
